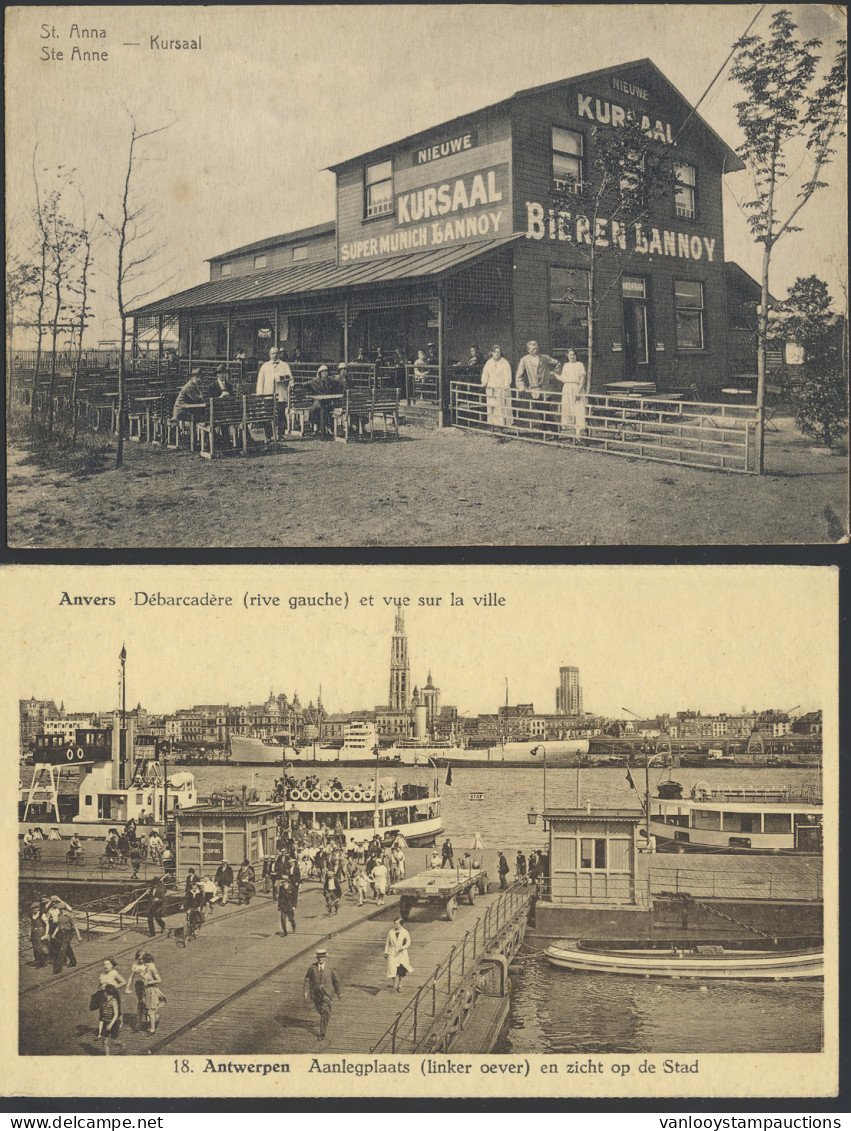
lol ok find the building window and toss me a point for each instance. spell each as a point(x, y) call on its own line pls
point(685, 199)
point(688, 299)
point(592, 853)
point(569, 308)
point(227, 268)
point(378, 189)
point(259, 260)
point(568, 159)
point(300, 254)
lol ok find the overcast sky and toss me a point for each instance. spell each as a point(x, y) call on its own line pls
point(276, 94)
point(648, 639)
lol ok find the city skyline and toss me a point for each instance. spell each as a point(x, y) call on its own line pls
point(638, 636)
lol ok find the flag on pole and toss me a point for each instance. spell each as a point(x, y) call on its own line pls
point(629, 779)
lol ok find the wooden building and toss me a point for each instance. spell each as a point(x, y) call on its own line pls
point(207, 835)
point(443, 239)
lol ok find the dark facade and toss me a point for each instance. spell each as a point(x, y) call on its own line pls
point(444, 239)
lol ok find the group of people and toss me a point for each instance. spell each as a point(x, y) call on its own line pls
point(536, 374)
point(52, 929)
point(145, 979)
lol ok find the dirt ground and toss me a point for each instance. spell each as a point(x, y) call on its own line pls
point(432, 488)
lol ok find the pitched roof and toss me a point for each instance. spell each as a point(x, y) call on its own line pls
point(314, 278)
point(326, 229)
point(733, 162)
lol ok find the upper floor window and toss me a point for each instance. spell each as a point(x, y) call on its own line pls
point(227, 268)
point(685, 200)
point(688, 299)
point(378, 189)
point(299, 253)
point(259, 260)
point(568, 158)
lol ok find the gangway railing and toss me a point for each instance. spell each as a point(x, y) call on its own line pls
point(413, 1024)
point(106, 914)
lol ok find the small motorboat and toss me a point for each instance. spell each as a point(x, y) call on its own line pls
point(683, 959)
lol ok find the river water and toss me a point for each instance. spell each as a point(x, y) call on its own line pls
point(558, 1011)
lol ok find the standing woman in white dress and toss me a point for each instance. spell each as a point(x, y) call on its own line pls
point(396, 953)
point(496, 377)
point(574, 381)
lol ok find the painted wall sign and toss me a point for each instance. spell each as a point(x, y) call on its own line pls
point(445, 148)
point(653, 241)
point(469, 207)
point(622, 86)
point(609, 113)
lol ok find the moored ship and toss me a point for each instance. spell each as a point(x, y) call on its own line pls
point(736, 820)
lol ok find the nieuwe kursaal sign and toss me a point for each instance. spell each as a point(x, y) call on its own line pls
point(471, 206)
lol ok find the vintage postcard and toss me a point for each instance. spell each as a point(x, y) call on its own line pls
point(446, 831)
point(524, 304)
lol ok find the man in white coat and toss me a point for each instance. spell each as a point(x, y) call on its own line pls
point(275, 378)
point(396, 953)
point(496, 377)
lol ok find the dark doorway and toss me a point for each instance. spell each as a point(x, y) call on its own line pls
point(637, 331)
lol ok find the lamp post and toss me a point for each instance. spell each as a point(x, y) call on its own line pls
point(532, 816)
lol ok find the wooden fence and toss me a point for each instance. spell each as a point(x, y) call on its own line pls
point(717, 437)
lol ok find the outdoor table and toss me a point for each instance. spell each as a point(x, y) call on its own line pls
point(148, 402)
point(325, 402)
point(636, 388)
point(737, 396)
point(196, 413)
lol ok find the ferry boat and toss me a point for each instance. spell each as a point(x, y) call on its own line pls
point(383, 805)
point(735, 820)
point(679, 959)
point(119, 781)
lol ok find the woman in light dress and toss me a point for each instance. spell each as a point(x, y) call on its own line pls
point(396, 953)
point(574, 386)
point(496, 377)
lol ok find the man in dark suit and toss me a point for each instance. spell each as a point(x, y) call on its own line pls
point(319, 981)
point(155, 900)
point(285, 904)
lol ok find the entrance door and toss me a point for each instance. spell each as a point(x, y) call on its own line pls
point(636, 330)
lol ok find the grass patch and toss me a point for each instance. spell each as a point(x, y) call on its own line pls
point(88, 454)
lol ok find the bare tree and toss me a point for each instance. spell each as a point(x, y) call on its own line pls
point(783, 107)
point(63, 245)
point(132, 233)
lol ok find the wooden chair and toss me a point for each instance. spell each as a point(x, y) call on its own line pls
point(298, 408)
point(226, 417)
point(385, 404)
point(356, 409)
point(259, 411)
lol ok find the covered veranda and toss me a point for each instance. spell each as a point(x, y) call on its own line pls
point(376, 313)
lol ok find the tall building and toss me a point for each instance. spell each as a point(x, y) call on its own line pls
point(431, 699)
point(568, 692)
point(400, 672)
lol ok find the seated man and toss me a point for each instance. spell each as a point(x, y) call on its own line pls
point(193, 392)
point(322, 385)
point(221, 387)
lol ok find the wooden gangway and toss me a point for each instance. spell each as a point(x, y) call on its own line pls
point(238, 987)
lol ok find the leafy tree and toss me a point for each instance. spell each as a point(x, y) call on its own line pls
point(785, 104)
point(821, 397)
point(21, 282)
point(627, 170)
